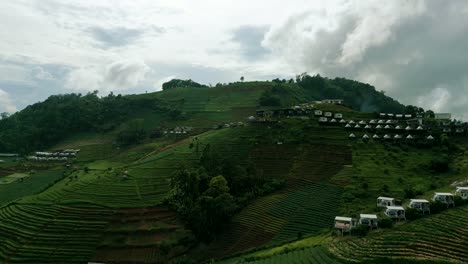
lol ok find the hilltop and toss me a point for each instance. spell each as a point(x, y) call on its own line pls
point(237, 173)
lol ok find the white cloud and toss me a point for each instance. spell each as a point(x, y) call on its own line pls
point(437, 99)
point(116, 76)
point(41, 74)
point(6, 104)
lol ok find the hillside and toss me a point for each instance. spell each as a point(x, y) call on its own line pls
point(181, 176)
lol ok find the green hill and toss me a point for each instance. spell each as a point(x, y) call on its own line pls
point(145, 185)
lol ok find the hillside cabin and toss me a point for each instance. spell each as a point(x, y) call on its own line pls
point(369, 220)
point(385, 201)
point(459, 130)
point(352, 136)
point(395, 212)
point(318, 112)
point(445, 198)
point(344, 224)
point(251, 118)
point(328, 114)
point(333, 101)
point(381, 121)
point(408, 116)
point(338, 115)
point(446, 130)
point(383, 115)
point(399, 116)
point(430, 137)
point(463, 192)
point(421, 205)
point(323, 119)
point(446, 123)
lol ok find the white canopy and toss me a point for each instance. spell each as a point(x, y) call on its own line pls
point(342, 218)
point(368, 216)
point(419, 201)
point(444, 194)
point(395, 208)
point(333, 120)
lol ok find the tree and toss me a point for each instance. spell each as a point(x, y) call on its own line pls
point(242, 78)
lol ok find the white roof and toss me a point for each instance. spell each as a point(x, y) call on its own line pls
point(419, 200)
point(385, 198)
point(462, 188)
point(444, 194)
point(342, 218)
point(395, 208)
point(368, 216)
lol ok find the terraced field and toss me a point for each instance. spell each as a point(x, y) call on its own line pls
point(442, 237)
point(56, 234)
point(307, 205)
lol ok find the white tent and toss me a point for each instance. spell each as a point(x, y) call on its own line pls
point(420, 205)
point(352, 122)
point(368, 127)
point(388, 127)
point(357, 126)
point(385, 201)
point(389, 122)
point(408, 128)
point(365, 136)
point(445, 198)
point(352, 135)
point(396, 212)
point(381, 121)
point(362, 122)
point(397, 136)
point(333, 120)
point(419, 128)
point(348, 126)
point(375, 136)
point(463, 192)
point(430, 137)
point(368, 219)
point(387, 136)
point(342, 121)
point(398, 127)
point(378, 127)
point(409, 137)
point(372, 121)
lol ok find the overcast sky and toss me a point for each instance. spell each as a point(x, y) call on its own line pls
point(414, 50)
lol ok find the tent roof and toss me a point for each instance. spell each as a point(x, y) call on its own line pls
point(395, 208)
point(368, 216)
point(419, 200)
point(385, 198)
point(342, 218)
point(444, 194)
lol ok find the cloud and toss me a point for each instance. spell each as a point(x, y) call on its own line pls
point(407, 48)
point(41, 74)
point(117, 76)
point(6, 104)
point(113, 37)
point(249, 38)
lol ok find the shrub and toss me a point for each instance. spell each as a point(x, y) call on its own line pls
point(437, 207)
point(459, 201)
point(412, 214)
point(439, 164)
point(409, 192)
point(386, 223)
point(361, 230)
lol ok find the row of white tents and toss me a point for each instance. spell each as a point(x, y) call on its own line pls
point(393, 211)
point(387, 136)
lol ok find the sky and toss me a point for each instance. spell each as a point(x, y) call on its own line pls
point(414, 50)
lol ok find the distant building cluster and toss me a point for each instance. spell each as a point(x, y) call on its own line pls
point(61, 156)
point(178, 130)
point(232, 124)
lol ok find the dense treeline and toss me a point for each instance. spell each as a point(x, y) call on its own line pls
point(207, 195)
point(358, 96)
point(176, 83)
point(40, 125)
